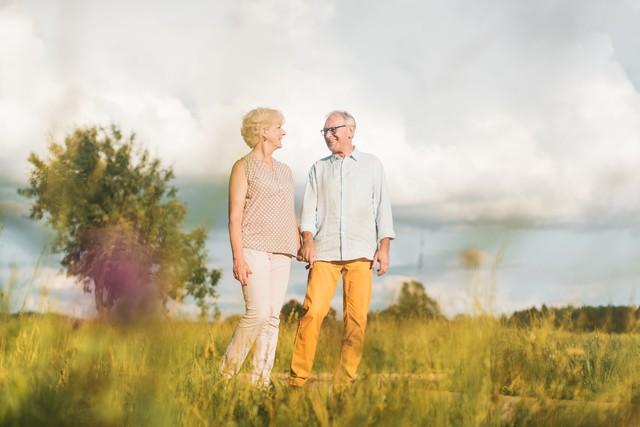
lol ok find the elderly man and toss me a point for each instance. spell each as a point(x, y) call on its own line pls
point(346, 229)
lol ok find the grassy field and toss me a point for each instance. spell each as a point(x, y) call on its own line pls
point(57, 371)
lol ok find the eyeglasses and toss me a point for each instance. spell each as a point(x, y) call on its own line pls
point(332, 129)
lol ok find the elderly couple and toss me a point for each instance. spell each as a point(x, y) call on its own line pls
point(346, 228)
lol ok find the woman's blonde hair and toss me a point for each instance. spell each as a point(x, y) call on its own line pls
point(255, 121)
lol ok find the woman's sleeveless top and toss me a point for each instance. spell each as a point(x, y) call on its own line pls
point(269, 219)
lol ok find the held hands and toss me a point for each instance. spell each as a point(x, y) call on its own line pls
point(307, 252)
point(241, 271)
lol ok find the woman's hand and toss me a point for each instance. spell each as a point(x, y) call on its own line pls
point(241, 271)
point(299, 247)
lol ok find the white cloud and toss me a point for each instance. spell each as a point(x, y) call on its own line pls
point(507, 111)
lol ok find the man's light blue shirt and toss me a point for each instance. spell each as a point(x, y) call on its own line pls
point(346, 207)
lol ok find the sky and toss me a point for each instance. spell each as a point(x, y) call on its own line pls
point(508, 127)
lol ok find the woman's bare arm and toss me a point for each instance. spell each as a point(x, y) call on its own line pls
point(237, 194)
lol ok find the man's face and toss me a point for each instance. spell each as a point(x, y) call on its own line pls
point(338, 136)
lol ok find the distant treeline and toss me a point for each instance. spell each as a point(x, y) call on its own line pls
point(609, 318)
point(412, 302)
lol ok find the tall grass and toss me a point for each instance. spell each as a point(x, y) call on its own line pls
point(59, 371)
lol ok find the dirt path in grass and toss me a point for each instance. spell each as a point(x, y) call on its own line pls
point(507, 405)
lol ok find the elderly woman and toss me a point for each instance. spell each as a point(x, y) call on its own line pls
point(264, 237)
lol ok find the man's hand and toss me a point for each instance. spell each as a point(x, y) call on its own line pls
point(241, 271)
point(381, 258)
point(308, 249)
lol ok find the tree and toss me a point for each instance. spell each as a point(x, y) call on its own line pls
point(293, 310)
point(117, 220)
point(413, 302)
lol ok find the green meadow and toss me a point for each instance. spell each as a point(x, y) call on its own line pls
point(475, 371)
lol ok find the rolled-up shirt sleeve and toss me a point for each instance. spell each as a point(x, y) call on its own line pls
point(384, 217)
point(308, 218)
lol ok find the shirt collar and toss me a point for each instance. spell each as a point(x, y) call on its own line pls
point(355, 155)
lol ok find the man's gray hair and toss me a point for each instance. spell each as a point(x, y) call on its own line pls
point(348, 118)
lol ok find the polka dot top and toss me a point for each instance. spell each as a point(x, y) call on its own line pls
point(269, 219)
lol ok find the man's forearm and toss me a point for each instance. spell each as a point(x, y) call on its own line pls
point(385, 244)
point(307, 236)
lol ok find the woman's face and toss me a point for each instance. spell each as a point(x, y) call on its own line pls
point(274, 133)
